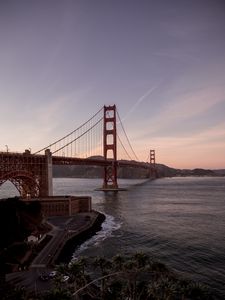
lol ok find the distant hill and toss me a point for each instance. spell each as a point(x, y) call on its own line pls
point(195, 172)
point(130, 172)
point(95, 172)
point(220, 172)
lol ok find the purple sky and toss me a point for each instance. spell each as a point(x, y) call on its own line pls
point(161, 62)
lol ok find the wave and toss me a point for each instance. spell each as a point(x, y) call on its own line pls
point(109, 226)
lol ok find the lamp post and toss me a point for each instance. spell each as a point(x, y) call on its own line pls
point(7, 148)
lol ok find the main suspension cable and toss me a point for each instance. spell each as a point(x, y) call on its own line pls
point(59, 140)
point(127, 136)
point(124, 147)
point(79, 136)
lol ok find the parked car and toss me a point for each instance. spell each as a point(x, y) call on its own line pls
point(65, 278)
point(52, 274)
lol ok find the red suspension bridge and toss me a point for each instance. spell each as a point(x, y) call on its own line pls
point(96, 142)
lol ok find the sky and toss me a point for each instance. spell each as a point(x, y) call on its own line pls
point(161, 62)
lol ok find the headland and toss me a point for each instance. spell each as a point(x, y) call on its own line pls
point(66, 231)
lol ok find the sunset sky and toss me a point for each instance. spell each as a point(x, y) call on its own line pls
point(161, 62)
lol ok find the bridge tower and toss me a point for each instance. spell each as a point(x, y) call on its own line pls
point(152, 170)
point(110, 147)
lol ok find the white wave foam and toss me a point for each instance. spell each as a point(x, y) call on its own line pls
point(108, 227)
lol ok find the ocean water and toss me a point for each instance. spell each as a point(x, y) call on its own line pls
point(180, 221)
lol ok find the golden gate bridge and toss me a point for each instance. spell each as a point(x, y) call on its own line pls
point(96, 142)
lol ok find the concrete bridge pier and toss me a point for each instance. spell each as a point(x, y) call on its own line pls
point(46, 185)
point(48, 155)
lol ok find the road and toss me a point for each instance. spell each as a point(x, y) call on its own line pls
point(63, 228)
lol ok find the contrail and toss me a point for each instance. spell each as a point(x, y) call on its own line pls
point(138, 102)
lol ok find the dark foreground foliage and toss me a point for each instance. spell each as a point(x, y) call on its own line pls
point(136, 277)
point(17, 220)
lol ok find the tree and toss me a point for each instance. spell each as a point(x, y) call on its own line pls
point(57, 294)
point(117, 262)
point(105, 266)
point(123, 277)
point(142, 260)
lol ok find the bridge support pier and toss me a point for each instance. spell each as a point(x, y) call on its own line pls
point(48, 155)
point(46, 186)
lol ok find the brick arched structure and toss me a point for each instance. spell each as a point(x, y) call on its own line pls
point(25, 182)
point(31, 174)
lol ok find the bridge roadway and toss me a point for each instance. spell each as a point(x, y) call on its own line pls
point(61, 160)
point(63, 229)
point(7, 158)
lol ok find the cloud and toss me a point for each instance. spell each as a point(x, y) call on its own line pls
point(175, 54)
point(139, 101)
point(184, 107)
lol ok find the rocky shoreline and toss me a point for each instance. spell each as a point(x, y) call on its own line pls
point(70, 246)
point(86, 226)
